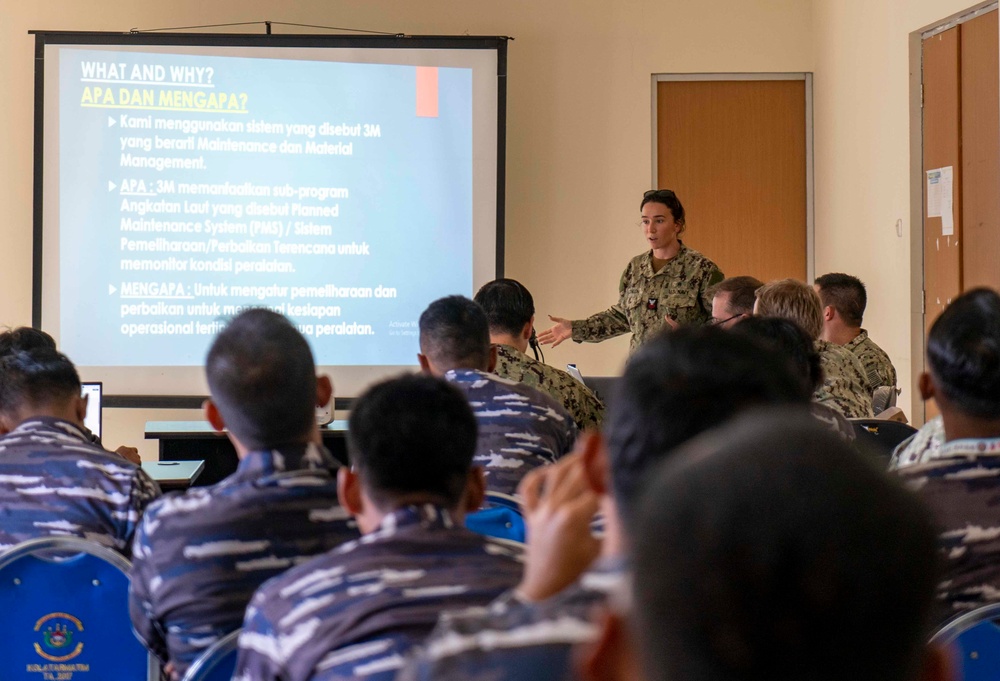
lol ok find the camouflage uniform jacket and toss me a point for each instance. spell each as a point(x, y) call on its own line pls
point(832, 420)
point(200, 555)
point(960, 484)
point(580, 401)
point(920, 447)
point(516, 641)
point(845, 386)
point(520, 428)
point(878, 368)
point(54, 482)
point(680, 290)
point(356, 611)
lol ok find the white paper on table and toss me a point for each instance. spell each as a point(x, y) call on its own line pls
point(934, 193)
point(947, 202)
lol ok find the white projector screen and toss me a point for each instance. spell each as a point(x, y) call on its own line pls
point(345, 182)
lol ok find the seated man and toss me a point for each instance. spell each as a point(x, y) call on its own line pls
point(353, 612)
point(199, 555)
point(511, 314)
point(676, 386)
point(845, 385)
point(960, 480)
point(788, 339)
point(520, 428)
point(733, 299)
point(844, 300)
point(53, 480)
point(770, 550)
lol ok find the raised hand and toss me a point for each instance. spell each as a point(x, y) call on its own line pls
point(562, 330)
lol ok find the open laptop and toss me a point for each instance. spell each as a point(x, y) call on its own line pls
point(94, 392)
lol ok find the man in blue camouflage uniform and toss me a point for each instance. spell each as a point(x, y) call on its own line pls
point(53, 480)
point(200, 555)
point(676, 385)
point(510, 310)
point(520, 428)
point(959, 480)
point(356, 611)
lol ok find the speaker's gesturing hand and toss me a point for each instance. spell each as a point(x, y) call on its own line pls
point(562, 330)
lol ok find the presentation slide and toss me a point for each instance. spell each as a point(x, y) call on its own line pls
point(192, 186)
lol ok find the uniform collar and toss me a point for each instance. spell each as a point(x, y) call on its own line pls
point(511, 352)
point(425, 516)
point(858, 340)
point(268, 462)
point(647, 261)
point(51, 423)
point(465, 375)
point(969, 447)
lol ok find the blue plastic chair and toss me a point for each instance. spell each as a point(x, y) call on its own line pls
point(218, 662)
point(500, 517)
point(975, 636)
point(65, 609)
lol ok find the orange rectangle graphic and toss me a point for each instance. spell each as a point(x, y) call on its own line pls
point(427, 91)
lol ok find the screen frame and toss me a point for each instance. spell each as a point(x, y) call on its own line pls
point(43, 38)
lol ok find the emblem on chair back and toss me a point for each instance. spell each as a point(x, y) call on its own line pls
point(64, 605)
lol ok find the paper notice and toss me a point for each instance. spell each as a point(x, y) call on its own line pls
point(934, 193)
point(947, 202)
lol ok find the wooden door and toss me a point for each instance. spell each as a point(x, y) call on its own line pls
point(735, 154)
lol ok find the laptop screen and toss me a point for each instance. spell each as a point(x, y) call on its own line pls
point(93, 418)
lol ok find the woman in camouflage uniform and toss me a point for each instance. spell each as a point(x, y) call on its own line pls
point(665, 286)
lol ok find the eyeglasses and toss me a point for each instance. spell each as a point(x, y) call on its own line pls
point(662, 193)
point(716, 322)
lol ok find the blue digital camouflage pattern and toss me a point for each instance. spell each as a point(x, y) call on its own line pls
point(356, 611)
point(55, 482)
point(520, 428)
point(200, 555)
point(961, 486)
point(920, 447)
point(515, 641)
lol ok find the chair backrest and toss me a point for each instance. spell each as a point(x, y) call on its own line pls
point(878, 438)
point(65, 609)
point(975, 637)
point(500, 518)
point(218, 662)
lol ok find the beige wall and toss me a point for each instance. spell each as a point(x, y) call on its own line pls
point(862, 138)
point(579, 141)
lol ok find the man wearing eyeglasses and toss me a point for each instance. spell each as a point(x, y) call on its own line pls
point(733, 299)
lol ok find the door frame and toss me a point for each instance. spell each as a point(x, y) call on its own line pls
point(810, 189)
point(918, 340)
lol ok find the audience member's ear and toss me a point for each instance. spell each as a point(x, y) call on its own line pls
point(81, 407)
point(939, 664)
point(324, 390)
point(493, 359)
point(611, 656)
point(828, 313)
point(349, 491)
point(425, 365)
point(926, 385)
point(212, 415)
point(595, 460)
point(528, 328)
point(475, 490)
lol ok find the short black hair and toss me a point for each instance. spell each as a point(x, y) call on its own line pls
point(788, 339)
point(454, 333)
point(681, 383)
point(508, 305)
point(845, 294)
point(743, 293)
point(262, 378)
point(24, 338)
point(412, 434)
point(668, 199)
point(770, 550)
point(963, 353)
point(35, 378)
